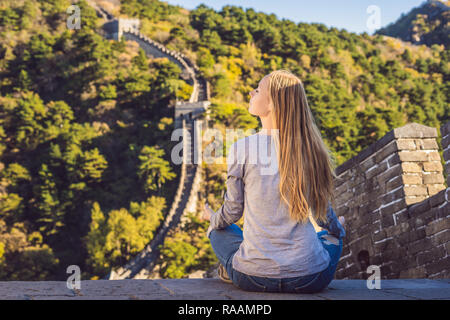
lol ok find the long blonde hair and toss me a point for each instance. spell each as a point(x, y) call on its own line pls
point(306, 165)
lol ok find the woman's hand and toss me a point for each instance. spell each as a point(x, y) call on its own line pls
point(207, 212)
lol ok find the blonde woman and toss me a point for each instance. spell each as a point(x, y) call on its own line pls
point(281, 177)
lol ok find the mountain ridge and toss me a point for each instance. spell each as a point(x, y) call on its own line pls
point(426, 24)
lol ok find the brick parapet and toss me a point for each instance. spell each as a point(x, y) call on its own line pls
point(393, 197)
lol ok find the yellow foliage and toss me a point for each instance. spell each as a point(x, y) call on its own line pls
point(251, 56)
point(164, 122)
point(232, 68)
point(234, 51)
point(437, 77)
point(414, 73)
point(2, 249)
point(393, 43)
point(305, 61)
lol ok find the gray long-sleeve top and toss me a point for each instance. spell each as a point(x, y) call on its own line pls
point(274, 245)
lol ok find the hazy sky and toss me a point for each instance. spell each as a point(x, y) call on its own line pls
point(343, 14)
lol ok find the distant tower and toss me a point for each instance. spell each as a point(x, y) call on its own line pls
point(115, 28)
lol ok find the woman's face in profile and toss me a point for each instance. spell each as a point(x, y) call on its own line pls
point(260, 99)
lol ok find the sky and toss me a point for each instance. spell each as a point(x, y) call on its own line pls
point(353, 15)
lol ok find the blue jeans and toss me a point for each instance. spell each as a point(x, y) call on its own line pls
point(226, 242)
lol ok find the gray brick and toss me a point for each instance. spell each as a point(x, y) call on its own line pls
point(411, 236)
point(386, 151)
point(428, 256)
point(441, 237)
point(437, 199)
point(393, 208)
point(419, 246)
point(438, 265)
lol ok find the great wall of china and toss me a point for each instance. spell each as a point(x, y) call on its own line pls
point(396, 206)
point(186, 117)
point(392, 194)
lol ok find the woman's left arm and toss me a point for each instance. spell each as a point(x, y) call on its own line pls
point(233, 206)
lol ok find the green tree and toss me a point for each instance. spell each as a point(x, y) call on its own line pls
point(406, 55)
point(95, 241)
point(115, 239)
point(153, 169)
point(180, 255)
point(24, 256)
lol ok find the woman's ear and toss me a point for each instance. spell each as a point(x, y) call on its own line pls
point(272, 113)
point(271, 106)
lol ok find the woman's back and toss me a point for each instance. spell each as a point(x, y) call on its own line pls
point(274, 246)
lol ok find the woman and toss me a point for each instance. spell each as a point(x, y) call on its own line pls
point(279, 249)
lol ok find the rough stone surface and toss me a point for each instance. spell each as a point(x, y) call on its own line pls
point(395, 204)
point(215, 289)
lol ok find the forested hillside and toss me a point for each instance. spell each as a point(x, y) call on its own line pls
point(359, 87)
point(85, 145)
point(427, 24)
point(85, 128)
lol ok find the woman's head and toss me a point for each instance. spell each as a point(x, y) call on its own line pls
point(305, 163)
point(260, 102)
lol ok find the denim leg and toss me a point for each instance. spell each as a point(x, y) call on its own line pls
point(225, 242)
point(323, 279)
point(335, 254)
point(334, 250)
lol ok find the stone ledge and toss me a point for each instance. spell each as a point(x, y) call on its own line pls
point(215, 289)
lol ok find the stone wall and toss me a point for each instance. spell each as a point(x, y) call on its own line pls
point(445, 133)
point(115, 28)
point(157, 50)
point(184, 109)
point(129, 28)
point(192, 203)
point(186, 198)
point(395, 203)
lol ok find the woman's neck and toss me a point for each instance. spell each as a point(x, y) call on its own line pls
point(267, 125)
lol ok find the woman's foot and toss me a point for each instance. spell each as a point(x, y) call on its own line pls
point(223, 274)
point(329, 239)
point(332, 239)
